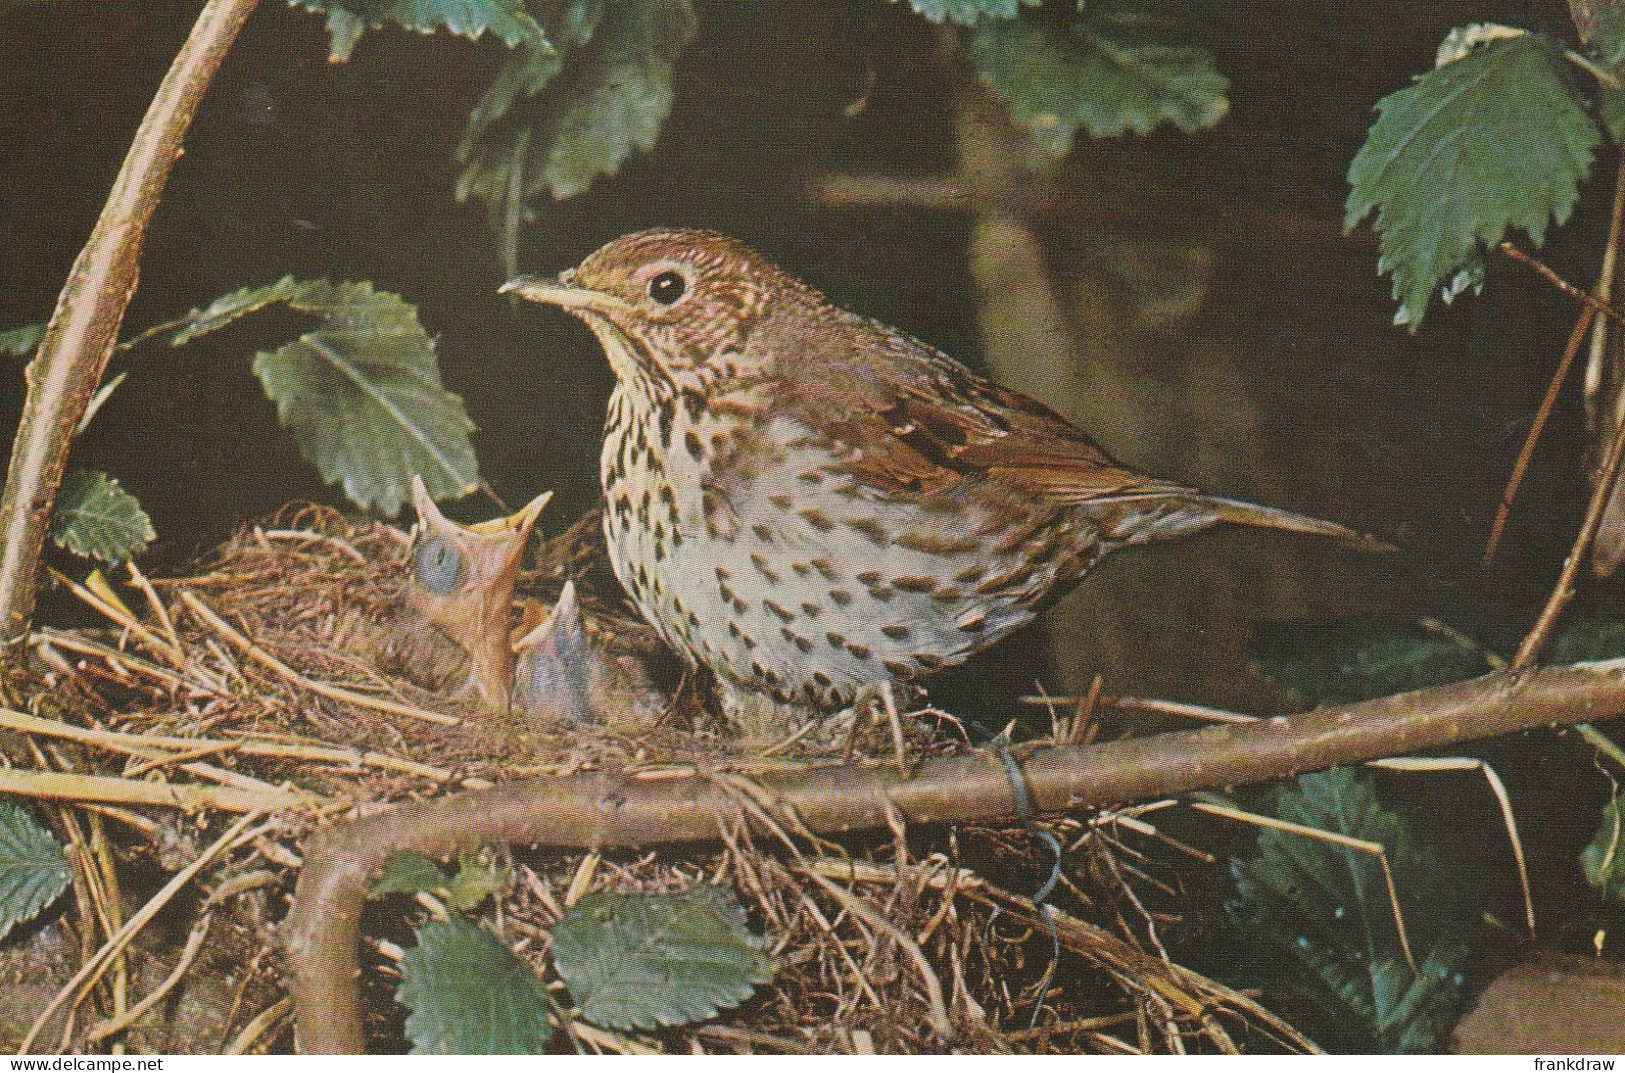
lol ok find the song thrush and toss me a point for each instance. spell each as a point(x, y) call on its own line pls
point(809, 503)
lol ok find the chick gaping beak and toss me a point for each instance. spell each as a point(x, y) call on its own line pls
point(565, 293)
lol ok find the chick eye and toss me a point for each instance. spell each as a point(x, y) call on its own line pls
point(438, 565)
point(667, 288)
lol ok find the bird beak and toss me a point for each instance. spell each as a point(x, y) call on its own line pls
point(566, 294)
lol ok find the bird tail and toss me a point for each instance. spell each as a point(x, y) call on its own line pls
point(1236, 512)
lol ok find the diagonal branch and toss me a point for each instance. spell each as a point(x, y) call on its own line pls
point(601, 809)
point(83, 330)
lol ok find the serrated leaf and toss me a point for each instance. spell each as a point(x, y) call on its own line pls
point(473, 19)
point(642, 960)
point(361, 393)
point(554, 125)
point(1603, 859)
point(1495, 140)
point(1121, 66)
point(21, 342)
point(408, 872)
point(96, 518)
point(1344, 662)
point(33, 869)
point(967, 12)
point(1326, 906)
point(469, 994)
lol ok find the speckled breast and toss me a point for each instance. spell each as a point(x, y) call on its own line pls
point(745, 545)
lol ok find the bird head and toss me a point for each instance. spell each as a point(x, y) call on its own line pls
point(670, 306)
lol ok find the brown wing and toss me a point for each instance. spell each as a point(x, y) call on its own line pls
point(918, 419)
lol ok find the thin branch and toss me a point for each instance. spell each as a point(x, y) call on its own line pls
point(1546, 273)
point(598, 810)
point(1519, 468)
point(73, 354)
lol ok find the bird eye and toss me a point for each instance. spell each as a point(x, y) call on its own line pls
point(667, 288)
point(438, 565)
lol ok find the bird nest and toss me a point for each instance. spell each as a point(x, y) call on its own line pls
point(187, 750)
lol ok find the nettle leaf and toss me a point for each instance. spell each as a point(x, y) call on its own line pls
point(408, 872)
point(1494, 140)
point(1326, 907)
point(473, 19)
point(556, 120)
point(1344, 662)
point(96, 518)
point(1120, 66)
point(469, 994)
point(21, 342)
point(361, 392)
point(1611, 112)
point(967, 12)
point(642, 960)
point(33, 869)
point(1603, 859)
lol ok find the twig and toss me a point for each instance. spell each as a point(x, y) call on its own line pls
point(1527, 452)
point(1363, 845)
point(262, 1023)
point(113, 1025)
point(142, 917)
point(1546, 273)
point(300, 681)
point(72, 356)
point(191, 797)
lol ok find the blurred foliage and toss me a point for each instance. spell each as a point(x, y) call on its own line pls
point(1324, 907)
point(565, 111)
point(589, 83)
point(1344, 662)
point(967, 12)
point(1121, 65)
point(1601, 859)
point(20, 342)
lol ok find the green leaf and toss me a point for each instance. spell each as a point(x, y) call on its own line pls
point(1120, 66)
point(642, 960)
point(21, 342)
point(1326, 907)
point(506, 19)
point(473, 883)
point(554, 121)
point(1607, 34)
point(967, 12)
point(1494, 140)
point(33, 868)
point(469, 994)
point(1344, 662)
point(96, 518)
point(1601, 860)
point(407, 872)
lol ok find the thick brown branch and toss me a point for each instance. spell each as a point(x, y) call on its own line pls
point(604, 810)
point(83, 330)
